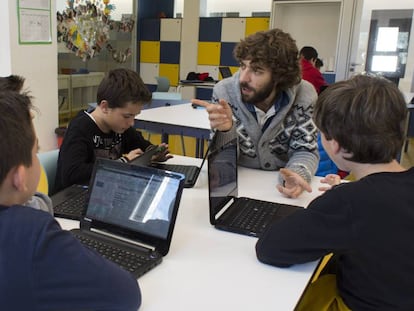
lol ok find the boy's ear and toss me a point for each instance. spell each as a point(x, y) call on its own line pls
point(104, 106)
point(334, 146)
point(19, 176)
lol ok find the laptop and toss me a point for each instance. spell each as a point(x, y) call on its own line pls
point(225, 72)
point(130, 214)
point(69, 202)
point(232, 213)
point(191, 172)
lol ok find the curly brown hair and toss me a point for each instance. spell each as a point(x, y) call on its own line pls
point(272, 49)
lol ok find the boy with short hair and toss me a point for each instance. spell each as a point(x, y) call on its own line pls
point(367, 224)
point(43, 267)
point(107, 131)
point(39, 200)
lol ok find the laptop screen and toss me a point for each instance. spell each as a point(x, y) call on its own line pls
point(140, 199)
point(222, 177)
point(225, 72)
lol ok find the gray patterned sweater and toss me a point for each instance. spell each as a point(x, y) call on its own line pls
point(289, 141)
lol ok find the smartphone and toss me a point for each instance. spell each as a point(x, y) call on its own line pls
point(145, 158)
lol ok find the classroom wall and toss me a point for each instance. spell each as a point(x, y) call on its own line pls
point(38, 64)
point(162, 50)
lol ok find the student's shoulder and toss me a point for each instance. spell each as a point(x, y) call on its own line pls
point(304, 93)
point(81, 118)
point(82, 122)
point(26, 218)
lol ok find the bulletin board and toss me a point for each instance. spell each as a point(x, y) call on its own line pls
point(35, 23)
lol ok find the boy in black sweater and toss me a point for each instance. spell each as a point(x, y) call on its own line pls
point(366, 224)
point(107, 131)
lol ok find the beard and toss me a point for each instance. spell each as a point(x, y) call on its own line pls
point(257, 96)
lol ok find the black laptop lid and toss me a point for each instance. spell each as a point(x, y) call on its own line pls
point(225, 72)
point(136, 202)
point(222, 178)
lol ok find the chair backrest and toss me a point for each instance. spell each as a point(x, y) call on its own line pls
point(49, 160)
point(163, 84)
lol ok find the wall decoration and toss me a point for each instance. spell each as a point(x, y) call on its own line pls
point(34, 22)
point(84, 27)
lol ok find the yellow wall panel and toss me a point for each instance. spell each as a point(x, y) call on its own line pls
point(150, 52)
point(255, 24)
point(171, 71)
point(208, 53)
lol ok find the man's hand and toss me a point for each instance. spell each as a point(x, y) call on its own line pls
point(294, 184)
point(219, 114)
point(330, 180)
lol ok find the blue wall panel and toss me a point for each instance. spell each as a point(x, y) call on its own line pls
point(210, 29)
point(169, 52)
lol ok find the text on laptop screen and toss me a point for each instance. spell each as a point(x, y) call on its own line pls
point(222, 176)
point(137, 200)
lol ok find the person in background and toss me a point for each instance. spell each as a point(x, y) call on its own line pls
point(43, 267)
point(367, 224)
point(39, 200)
point(319, 64)
point(107, 131)
point(308, 58)
point(269, 108)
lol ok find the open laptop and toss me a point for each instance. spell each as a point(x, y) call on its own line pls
point(69, 202)
point(228, 211)
point(130, 214)
point(191, 172)
point(225, 72)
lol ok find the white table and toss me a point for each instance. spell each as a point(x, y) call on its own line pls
point(209, 269)
point(177, 120)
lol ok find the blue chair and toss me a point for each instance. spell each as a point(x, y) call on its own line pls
point(163, 84)
point(48, 160)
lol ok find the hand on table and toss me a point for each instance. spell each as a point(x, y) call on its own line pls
point(330, 180)
point(293, 185)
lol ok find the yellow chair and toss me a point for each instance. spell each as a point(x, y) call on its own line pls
point(43, 185)
point(48, 161)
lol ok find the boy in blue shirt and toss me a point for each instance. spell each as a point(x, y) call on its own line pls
point(43, 267)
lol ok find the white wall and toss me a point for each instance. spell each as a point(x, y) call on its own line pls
point(121, 7)
point(38, 64)
point(245, 8)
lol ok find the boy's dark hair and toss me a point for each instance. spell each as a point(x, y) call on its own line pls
point(272, 49)
point(366, 115)
point(308, 53)
point(16, 131)
point(11, 83)
point(121, 86)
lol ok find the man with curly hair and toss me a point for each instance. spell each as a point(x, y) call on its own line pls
point(269, 108)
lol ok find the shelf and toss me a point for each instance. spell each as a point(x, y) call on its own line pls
point(75, 93)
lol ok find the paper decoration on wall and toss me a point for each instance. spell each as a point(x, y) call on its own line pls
point(84, 28)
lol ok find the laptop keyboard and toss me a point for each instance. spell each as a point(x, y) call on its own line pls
point(253, 216)
point(133, 262)
point(73, 207)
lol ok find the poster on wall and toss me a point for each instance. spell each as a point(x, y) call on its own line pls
point(34, 17)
